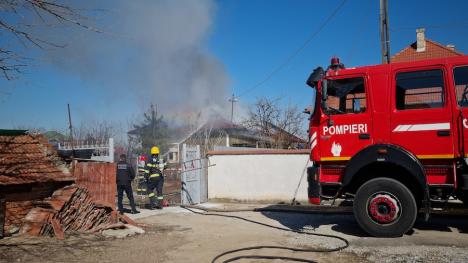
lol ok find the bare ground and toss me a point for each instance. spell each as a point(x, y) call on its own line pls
point(175, 235)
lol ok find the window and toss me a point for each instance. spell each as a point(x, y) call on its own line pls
point(420, 90)
point(345, 96)
point(460, 75)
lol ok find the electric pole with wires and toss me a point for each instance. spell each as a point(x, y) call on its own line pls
point(232, 100)
point(384, 33)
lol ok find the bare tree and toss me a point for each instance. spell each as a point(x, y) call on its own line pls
point(204, 137)
point(95, 132)
point(284, 126)
point(19, 22)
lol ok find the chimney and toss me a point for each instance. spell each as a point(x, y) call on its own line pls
point(451, 47)
point(420, 40)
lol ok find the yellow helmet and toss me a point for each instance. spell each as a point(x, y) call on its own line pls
point(154, 150)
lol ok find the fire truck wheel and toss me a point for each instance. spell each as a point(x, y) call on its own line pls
point(464, 199)
point(384, 207)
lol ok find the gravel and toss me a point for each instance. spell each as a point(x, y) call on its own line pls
point(390, 254)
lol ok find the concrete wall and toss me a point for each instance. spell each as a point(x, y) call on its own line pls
point(268, 175)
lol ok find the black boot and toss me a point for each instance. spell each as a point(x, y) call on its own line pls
point(159, 205)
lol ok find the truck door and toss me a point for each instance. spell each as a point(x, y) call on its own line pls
point(346, 127)
point(421, 118)
point(460, 77)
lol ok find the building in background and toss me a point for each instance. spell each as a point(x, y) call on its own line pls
point(424, 48)
point(84, 150)
point(218, 133)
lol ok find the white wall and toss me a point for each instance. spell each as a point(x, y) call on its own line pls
point(257, 177)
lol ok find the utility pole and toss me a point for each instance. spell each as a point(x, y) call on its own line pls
point(232, 100)
point(153, 123)
point(384, 33)
point(70, 126)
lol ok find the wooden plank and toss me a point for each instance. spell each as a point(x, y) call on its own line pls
point(58, 231)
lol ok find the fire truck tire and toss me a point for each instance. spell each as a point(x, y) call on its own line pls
point(384, 207)
point(464, 199)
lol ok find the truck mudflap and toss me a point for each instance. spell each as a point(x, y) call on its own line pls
point(313, 190)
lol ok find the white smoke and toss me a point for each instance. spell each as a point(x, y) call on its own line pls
point(155, 49)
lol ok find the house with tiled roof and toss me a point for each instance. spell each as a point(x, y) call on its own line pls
point(424, 48)
point(27, 159)
point(30, 170)
point(39, 195)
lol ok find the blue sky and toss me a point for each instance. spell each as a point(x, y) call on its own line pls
point(250, 38)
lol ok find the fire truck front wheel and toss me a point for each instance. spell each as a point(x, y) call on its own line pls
point(384, 207)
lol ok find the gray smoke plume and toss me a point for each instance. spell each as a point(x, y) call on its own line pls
point(155, 49)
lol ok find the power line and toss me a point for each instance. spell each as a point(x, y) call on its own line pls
point(447, 25)
point(357, 37)
point(296, 52)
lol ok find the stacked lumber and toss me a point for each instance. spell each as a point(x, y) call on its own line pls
point(70, 209)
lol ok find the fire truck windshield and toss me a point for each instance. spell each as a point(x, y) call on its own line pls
point(345, 96)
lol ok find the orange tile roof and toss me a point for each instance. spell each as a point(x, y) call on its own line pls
point(433, 50)
point(28, 159)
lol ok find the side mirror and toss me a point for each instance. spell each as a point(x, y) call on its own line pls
point(315, 76)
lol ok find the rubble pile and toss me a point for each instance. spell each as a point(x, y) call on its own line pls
point(39, 196)
point(70, 209)
point(81, 213)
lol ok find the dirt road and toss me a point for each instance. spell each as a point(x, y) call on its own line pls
point(175, 235)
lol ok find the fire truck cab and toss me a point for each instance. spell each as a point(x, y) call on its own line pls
point(392, 137)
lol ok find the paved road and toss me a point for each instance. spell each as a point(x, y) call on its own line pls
point(443, 239)
point(176, 235)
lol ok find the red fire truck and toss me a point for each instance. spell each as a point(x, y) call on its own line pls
point(392, 137)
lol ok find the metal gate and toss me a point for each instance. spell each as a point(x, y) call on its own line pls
point(192, 174)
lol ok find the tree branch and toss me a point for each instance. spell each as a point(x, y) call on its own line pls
point(17, 21)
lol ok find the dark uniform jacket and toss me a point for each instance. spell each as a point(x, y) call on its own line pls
point(125, 173)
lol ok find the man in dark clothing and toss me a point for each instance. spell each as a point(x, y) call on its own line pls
point(125, 175)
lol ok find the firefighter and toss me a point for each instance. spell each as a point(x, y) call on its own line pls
point(142, 185)
point(124, 176)
point(154, 175)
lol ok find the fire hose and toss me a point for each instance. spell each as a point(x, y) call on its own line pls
point(206, 212)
